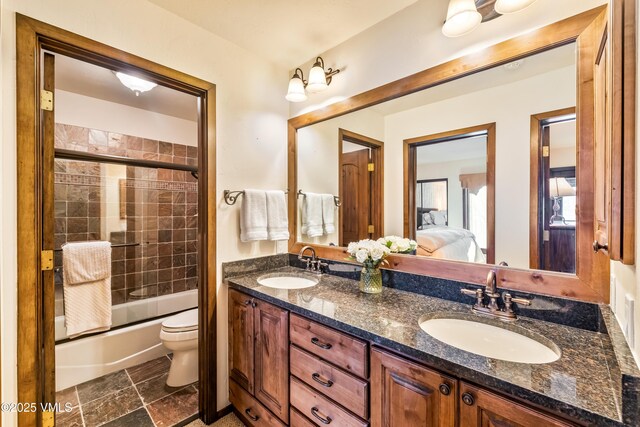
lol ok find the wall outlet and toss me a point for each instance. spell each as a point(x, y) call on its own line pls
point(629, 315)
point(612, 292)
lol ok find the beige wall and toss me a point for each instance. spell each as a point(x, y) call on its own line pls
point(251, 128)
point(411, 41)
point(93, 113)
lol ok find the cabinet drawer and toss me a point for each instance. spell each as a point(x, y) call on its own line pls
point(351, 392)
point(253, 412)
point(319, 409)
point(299, 420)
point(340, 349)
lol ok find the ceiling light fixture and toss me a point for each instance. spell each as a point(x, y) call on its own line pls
point(319, 80)
point(136, 84)
point(504, 7)
point(462, 18)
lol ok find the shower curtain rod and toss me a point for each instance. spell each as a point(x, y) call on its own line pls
point(61, 153)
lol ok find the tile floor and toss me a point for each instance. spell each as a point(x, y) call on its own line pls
point(132, 397)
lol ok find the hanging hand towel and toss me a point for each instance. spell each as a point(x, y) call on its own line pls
point(277, 219)
point(312, 215)
point(328, 213)
point(253, 216)
point(86, 276)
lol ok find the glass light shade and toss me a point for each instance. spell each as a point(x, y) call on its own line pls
point(136, 84)
point(504, 7)
point(462, 18)
point(560, 187)
point(317, 79)
point(296, 92)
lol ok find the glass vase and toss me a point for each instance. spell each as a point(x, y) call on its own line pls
point(370, 280)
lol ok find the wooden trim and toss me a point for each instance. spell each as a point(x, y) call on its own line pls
point(534, 180)
point(623, 82)
point(536, 41)
point(32, 37)
point(551, 36)
point(410, 170)
point(377, 188)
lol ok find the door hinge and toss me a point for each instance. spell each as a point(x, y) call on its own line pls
point(46, 260)
point(46, 100)
point(370, 229)
point(545, 151)
point(371, 167)
point(47, 419)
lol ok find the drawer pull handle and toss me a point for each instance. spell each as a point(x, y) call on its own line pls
point(468, 399)
point(320, 344)
point(445, 389)
point(314, 412)
point(253, 417)
point(316, 378)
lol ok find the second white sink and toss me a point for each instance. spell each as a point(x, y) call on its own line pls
point(287, 281)
point(489, 341)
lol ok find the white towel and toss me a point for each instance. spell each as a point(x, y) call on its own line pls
point(277, 219)
point(312, 215)
point(87, 287)
point(253, 216)
point(328, 213)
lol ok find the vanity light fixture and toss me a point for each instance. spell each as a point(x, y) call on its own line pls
point(319, 80)
point(136, 84)
point(462, 18)
point(504, 7)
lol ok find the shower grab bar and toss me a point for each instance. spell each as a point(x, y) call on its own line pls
point(61, 153)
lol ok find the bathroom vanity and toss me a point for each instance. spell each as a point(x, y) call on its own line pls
point(330, 355)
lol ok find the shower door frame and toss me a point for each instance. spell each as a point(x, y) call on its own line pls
point(36, 354)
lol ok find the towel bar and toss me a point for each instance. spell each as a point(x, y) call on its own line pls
point(336, 199)
point(231, 197)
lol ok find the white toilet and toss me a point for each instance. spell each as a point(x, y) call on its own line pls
point(180, 335)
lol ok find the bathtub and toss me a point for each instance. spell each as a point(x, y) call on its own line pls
point(84, 359)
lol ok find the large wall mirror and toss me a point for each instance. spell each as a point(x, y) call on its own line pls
point(482, 161)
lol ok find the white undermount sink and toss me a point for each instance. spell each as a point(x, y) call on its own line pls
point(287, 281)
point(490, 341)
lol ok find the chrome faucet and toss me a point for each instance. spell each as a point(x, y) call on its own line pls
point(493, 308)
point(314, 265)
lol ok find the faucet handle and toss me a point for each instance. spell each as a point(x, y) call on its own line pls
point(477, 293)
point(521, 301)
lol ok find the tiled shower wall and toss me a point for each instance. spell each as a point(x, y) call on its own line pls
point(156, 212)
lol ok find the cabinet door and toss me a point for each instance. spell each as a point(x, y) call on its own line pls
point(241, 339)
point(479, 407)
point(602, 144)
point(272, 358)
point(404, 393)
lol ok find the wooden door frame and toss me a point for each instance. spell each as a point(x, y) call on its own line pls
point(32, 37)
point(537, 121)
point(409, 155)
point(377, 186)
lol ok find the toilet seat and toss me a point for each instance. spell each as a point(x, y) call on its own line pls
point(181, 323)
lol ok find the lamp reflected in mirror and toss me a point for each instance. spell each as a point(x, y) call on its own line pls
point(559, 188)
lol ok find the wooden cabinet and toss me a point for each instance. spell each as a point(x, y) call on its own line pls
point(259, 351)
point(323, 373)
point(404, 393)
point(479, 407)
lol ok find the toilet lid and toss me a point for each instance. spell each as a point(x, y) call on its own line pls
point(185, 321)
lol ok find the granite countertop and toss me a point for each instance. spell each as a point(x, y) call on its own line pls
point(579, 385)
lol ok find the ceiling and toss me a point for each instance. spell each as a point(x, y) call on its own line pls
point(285, 32)
point(91, 80)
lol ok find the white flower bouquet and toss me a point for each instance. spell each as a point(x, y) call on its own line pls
point(398, 245)
point(370, 253)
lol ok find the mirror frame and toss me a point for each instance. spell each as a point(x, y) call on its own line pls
point(591, 282)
